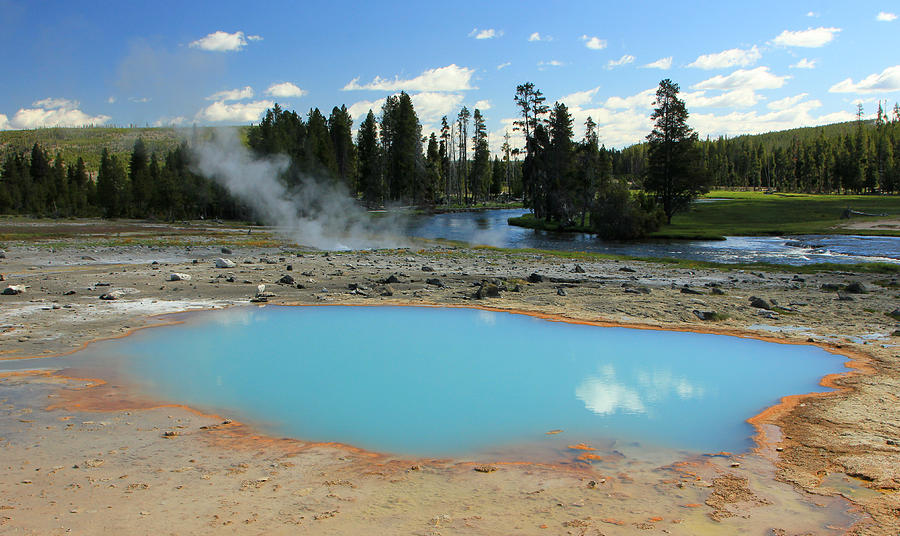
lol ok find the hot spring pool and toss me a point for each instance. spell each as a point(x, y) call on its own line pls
point(456, 382)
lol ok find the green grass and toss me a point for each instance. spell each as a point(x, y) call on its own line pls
point(530, 222)
point(758, 214)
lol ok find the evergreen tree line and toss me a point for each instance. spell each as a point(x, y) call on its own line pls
point(144, 186)
point(861, 158)
point(390, 161)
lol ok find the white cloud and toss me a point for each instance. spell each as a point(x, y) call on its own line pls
point(483, 105)
point(359, 109)
point(239, 112)
point(738, 98)
point(534, 37)
point(232, 94)
point(285, 90)
point(430, 106)
point(812, 14)
point(888, 80)
point(170, 121)
point(504, 65)
point(594, 43)
point(737, 123)
point(551, 63)
point(662, 63)
point(809, 38)
point(111, 100)
point(449, 78)
point(886, 17)
point(139, 100)
point(758, 78)
point(51, 112)
point(727, 58)
point(642, 100)
point(624, 60)
point(487, 33)
point(787, 102)
point(804, 64)
point(223, 41)
point(580, 98)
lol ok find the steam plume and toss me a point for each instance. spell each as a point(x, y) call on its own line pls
point(317, 213)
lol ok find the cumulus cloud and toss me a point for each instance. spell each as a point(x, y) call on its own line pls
point(449, 78)
point(430, 106)
point(662, 63)
point(809, 38)
point(798, 114)
point(886, 81)
point(536, 36)
point(487, 33)
point(220, 41)
point(788, 102)
point(727, 58)
point(504, 65)
point(483, 105)
point(886, 17)
point(642, 100)
point(738, 98)
point(238, 112)
point(285, 90)
point(232, 94)
point(51, 112)
point(594, 43)
point(111, 100)
point(758, 78)
point(624, 60)
point(359, 109)
point(804, 64)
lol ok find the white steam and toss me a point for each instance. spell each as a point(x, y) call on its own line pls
point(316, 213)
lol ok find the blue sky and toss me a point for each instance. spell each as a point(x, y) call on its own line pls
point(742, 67)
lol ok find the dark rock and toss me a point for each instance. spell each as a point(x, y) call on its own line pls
point(230, 279)
point(2, 254)
point(12, 290)
point(427, 268)
point(114, 295)
point(535, 278)
point(226, 251)
point(856, 287)
point(717, 291)
point(435, 281)
point(578, 269)
point(390, 279)
point(704, 315)
point(353, 286)
point(760, 303)
point(83, 257)
point(387, 291)
point(830, 287)
point(688, 290)
point(286, 280)
point(301, 286)
point(561, 292)
point(626, 269)
point(843, 296)
point(102, 285)
point(487, 290)
point(799, 279)
point(289, 267)
point(68, 293)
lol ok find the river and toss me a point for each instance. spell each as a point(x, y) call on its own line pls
point(489, 227)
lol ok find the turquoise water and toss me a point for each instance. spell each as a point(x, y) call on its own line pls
point(459, 382)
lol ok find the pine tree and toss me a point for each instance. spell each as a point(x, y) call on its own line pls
point(481, 164)
point(141, 184)
point(339, 126)
point(675, 175)
point(463, 167)
point(369, 171)
point(531, 102)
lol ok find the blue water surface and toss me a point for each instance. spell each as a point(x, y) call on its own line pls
point(459, 382)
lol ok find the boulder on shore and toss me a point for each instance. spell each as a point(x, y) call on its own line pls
point(224, 263)
point(12, 290)
point(177, 276)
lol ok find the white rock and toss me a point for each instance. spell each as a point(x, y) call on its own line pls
point(176, 276)
point(224, 263)
point(260, 289)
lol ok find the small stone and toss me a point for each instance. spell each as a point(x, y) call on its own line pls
point(626, 269)
point(843, 296)
point(688, 290)
point(113, 295)
point(286, 280)
point(578, 269)
point(176, 276)
point(390, 279)
point(485, 468)
point(224, 263)
point(535, 278)
point(856, 287)
point(435, 281)
point(760, 303)
point(561, 292)
point(427, 268)
point(226, 251)
point(387, 291)
point(704, 315)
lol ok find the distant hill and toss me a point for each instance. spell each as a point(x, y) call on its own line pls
point(783, 138)
point(88, 142)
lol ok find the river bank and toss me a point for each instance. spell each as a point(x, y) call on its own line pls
point(132, 476)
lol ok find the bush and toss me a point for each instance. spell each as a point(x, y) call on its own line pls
point(617, 215)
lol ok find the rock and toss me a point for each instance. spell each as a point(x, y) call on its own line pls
point(830, 287)
point(760, 303)
point(705, 315)
point(688, 290)
point(578, 269)
point(176, 276)
point(390, 279)
point(895, 314)
point(289, 267)
point(261, 288)
point(717, 291)
point(427, 268)
point(856, 287)
point(485, 468)
point(286, 280)
point(259, 299)
point(68, 293)
point(224, 263)
point(2, 277)
point(487, 290)
point(2, 254)
point(230, 279)
point(843, 296)
point(387, 291)
point(226, 251)
point(12, 290)
point(535, 278)
point(435, 281)
point(87, 258)
point(112, 295)
point(626, 269)
point(561, 292)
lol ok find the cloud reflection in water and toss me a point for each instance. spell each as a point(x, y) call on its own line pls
point(605, 394)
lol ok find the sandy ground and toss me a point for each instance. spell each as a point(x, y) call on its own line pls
point(80, 455)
